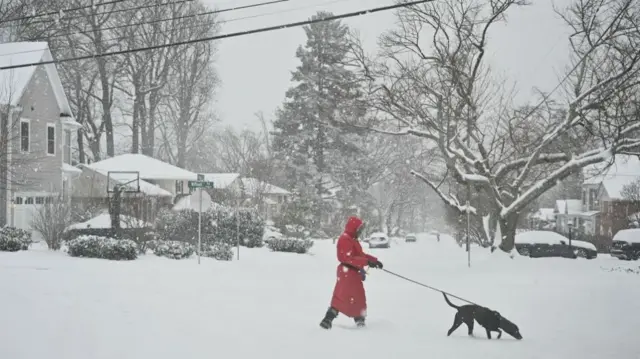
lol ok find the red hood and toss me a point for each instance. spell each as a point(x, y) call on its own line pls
point(353, 223)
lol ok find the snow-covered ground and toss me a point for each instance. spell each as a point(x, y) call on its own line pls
point(268, 305)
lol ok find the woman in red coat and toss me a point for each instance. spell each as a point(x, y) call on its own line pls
point(348, 296)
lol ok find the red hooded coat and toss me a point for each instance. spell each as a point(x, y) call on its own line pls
point(348, 296)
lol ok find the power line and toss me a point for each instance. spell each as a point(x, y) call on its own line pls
point(115, 11)
point(225, 36)
point(121, 38)
point(242, 7)
point(62, 11)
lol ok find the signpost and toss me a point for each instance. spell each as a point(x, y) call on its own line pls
point(200, 184)
point(468, 234)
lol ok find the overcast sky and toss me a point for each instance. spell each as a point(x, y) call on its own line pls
point(529, 50)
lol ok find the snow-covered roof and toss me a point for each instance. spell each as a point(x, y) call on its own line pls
point(104, 221)
point(624, 170)
point(569, 206)
point(631, 235)
point(71, 169)
point(147, 188)
point(192, 202)
point(13, 82)
point(148, 167)
point(253, 187)
point(545, 214)
point(221, 180)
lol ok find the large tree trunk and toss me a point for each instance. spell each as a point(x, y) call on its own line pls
point(508, 227)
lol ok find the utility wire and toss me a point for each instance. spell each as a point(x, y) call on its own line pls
point(62, 11)
point(113, 11)
point(197, 26)
point(225, 36)
point(242, 7)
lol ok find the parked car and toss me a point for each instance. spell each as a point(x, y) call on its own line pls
point(538, 244)
point(379, 240)
point(411, 238)
point(626, 244)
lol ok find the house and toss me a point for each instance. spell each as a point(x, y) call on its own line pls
point(37, 129)
point(233, 189)
point(571, 215)
point(603, 193)
point(543, 218)
point(149, 184)
point(268, 198)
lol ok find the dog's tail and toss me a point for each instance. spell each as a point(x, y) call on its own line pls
point(449, 302)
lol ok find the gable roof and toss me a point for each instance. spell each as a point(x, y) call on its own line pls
point(254, 186)
point(147, 188)
point(624, 171)
point(148, 167)
point(221, 180)
point(14, 82)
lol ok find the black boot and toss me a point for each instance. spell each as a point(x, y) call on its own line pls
point(328, 318)
point(359, 321)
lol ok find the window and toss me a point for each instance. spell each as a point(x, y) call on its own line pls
point(24, 135)
point(28, 200)
point(39, 200)
point(18, 200)
point(51, 139)
point(67, 147)
point(179, 187)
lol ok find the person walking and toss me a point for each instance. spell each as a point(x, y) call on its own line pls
point(349, 297)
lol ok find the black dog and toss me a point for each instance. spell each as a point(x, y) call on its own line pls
point(491, 320)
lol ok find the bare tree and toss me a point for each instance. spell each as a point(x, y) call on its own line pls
point(51, 220)
point(631, 191)
point(190, 90)
point(442, 91)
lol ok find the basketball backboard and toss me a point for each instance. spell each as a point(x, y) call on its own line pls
point(128, 180)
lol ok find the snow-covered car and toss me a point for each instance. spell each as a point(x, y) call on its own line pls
point(536, 244)
point(410, 238)
point(379, 240)
point(626, 244)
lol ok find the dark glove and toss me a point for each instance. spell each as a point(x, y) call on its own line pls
point(363, 274)
point(375, 264)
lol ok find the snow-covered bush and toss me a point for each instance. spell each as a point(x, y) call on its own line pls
point(219, 251)
point(103, 247)
point(179, 226)
point(290, 245)
point(174, 249)
point(14, 239)
point(218, 226)
point(141, 236)
point(51, 220)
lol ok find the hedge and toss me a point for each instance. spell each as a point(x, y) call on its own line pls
point(14, 239)
point(141, 236)
point(173, 249)
point(102, 247)
point(290, 245)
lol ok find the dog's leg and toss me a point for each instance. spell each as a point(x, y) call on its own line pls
point(469, 322)
point(457, 321)
point(488, 333)
point(499, 333)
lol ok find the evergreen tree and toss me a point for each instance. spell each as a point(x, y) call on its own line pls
point(325, 92)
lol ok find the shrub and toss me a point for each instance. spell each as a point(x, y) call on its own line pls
point(141, 236)
point(103, 247)
point(218, 226)
point(174, 249)
point(51, 220)
point(219, 251)
point(290, 245)
point(14, 239)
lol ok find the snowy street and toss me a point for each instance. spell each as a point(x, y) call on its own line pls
point(268, 305)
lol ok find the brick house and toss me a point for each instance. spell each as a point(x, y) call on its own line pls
point(602, 191)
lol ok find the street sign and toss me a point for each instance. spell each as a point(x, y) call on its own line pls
point(200, 184)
